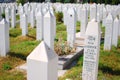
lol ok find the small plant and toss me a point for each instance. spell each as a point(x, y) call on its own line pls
point(59, 16)
point(62, 48)
point(6, 66)
point(3, 15)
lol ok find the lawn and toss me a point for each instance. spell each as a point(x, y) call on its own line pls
point(21, 46)
point(109, 65)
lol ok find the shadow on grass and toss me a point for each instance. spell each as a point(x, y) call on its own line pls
point(14, 35)
point(18, 55)
point(102, 40)
point(31, 37)
point(106, 69)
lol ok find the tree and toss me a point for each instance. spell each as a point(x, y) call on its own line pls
point(115, 2)
point(21, 1)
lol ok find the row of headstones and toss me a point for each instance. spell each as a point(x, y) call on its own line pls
point(40, 13)
point(112, 30)
point(111, 24)
point(10, 14)
point(71, 24)
point(94, 11)
point(97, 11)
point(43, 57)
point(43, 60)
point(46, 27)
point(93, 40)
point(47, 32)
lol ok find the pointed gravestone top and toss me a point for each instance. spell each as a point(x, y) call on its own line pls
point(3, 21)
point(92, 31)
point(39, 13)
point(42, 53)
point(71, 11)
point(84, 8)
point(48, 14)
point(116, 20)
point(109, 17)
point(23, 15)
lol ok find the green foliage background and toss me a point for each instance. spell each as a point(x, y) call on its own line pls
point(113, 2)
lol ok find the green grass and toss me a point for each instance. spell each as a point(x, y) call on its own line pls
point(17, 17)
point(109, 65)
point(78, 26)
point(21, 46)
point(61, 31)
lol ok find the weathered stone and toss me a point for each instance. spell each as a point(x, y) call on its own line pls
point(91, 51)
point(108, 32)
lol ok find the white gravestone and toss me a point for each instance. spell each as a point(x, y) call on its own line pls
point(91, 51)
point(42, 63)
point(0, 14)
point(101, 12)
point(79, 13)
point(32, 20)
point(13, 18)
point(24, 25)
point(115, 32)
point(4, 38)
point(98, 17)
point(54, 22)
point(83, 21)
point(71, 26)
point(108, 32)
point(48, 30)
point(104, 13)
point(7, 16)
point(65, 15)
point(93, 12)
point(39, 26)
point(28, 15)
point(21, 13)
point(119, 28)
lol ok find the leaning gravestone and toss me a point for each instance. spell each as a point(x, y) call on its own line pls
point(108, 32)
point(4, 38)
point(48, 31)
point(39, 25)
point(71, 26)
point(91, 51)
point(115, 32)
point(24, 25)
point(42, 63)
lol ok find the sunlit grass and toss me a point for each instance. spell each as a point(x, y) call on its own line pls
point(109, 65)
